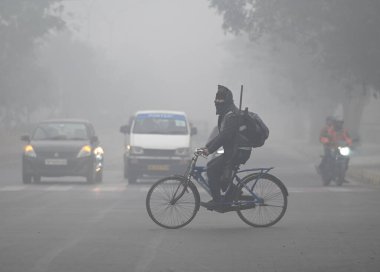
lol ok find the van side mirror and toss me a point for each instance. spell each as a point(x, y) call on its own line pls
point(125, 129)
point(194, 131)
point(25, 138)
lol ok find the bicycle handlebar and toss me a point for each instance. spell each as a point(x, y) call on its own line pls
point(199, 152)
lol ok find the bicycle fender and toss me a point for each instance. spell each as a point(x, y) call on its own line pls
point(254, 175)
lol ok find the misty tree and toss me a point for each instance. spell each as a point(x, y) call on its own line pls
point(23, 25)
point(338, 40)
point(74, 74)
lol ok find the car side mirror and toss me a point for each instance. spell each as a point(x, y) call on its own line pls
point(194, 131)
point(25, 138)
point(94, 139)
point(125, 129)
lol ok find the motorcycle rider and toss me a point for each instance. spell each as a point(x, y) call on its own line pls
point(339, 133)
point(332, 136)
point(220, 169)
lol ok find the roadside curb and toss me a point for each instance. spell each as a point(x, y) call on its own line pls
point(360, 174)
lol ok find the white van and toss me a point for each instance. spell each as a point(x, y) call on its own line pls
point(159, 144)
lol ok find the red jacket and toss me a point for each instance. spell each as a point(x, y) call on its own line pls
point(329, 136)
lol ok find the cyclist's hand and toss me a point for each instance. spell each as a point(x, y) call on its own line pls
point(205, 151)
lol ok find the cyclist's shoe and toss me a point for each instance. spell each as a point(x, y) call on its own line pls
point(213, 205)
point(209, 205)
point(231, 193)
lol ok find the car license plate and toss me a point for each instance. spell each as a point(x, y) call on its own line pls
point(158, 167)
point(55, 162)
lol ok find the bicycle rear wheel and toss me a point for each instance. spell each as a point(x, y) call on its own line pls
point(170, 205)
point(271, 206)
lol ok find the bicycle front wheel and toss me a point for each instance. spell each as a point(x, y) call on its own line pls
point(266, 198)
point(171, 203)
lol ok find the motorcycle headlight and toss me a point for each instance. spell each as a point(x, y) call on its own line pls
point(85, 151)
point(344, 151)
point(220, 151)
point(182, 151)
point(136, 150)
point(29, 151)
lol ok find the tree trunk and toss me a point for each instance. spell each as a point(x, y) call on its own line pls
point(353, 105)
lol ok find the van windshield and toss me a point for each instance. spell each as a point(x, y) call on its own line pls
point(160, 123)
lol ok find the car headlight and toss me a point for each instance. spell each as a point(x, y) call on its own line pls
point(85, 151)
point(136, 150)
point(29, 151)
point(98, 152)
point(344, 151)
point(182, 151)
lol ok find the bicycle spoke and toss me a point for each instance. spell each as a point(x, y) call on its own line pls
point(166, 212)
point(273, 202)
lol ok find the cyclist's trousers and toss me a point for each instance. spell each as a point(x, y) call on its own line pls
point(219, 173)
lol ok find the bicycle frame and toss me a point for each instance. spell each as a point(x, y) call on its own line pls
point(195, 173)
point(260, 199)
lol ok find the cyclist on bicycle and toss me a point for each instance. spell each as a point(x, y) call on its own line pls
point(220, 169)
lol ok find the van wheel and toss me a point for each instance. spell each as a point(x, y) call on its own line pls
point(132, 177)
point(91, 176)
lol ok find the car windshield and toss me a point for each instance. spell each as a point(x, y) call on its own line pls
point(61, 131)
point(160, 123)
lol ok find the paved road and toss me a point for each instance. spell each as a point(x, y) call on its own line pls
point(65, 225)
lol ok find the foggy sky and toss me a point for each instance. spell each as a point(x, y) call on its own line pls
point(171, 51)
point(173, 54)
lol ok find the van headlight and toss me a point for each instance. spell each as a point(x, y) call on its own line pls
point(184, 151)
point(136, 150)
point(344, 151)
point(29, 151)
point(85, 151)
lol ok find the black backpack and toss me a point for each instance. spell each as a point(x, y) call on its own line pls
point(253, 129)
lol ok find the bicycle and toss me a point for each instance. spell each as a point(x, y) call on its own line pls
point(260, 199)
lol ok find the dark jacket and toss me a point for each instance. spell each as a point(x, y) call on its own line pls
point(228, 127)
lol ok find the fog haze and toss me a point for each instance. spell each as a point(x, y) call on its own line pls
point(169, 53)
point(108, 59)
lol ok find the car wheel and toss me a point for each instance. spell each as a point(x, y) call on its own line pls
point(99, 176)
point(91, 176)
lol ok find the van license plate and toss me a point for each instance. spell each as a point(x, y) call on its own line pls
point(55, 162)
point(158, 167)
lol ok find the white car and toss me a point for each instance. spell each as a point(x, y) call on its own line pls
point(157, 143)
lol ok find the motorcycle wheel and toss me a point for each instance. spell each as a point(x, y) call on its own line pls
point(326, 181)
point(341, 175)
point(326, 177)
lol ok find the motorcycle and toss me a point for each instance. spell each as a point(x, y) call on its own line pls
point(336, 164)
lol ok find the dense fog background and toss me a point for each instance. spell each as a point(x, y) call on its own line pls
point(103, 60)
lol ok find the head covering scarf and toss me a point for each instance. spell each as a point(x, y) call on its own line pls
point(224, 94)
